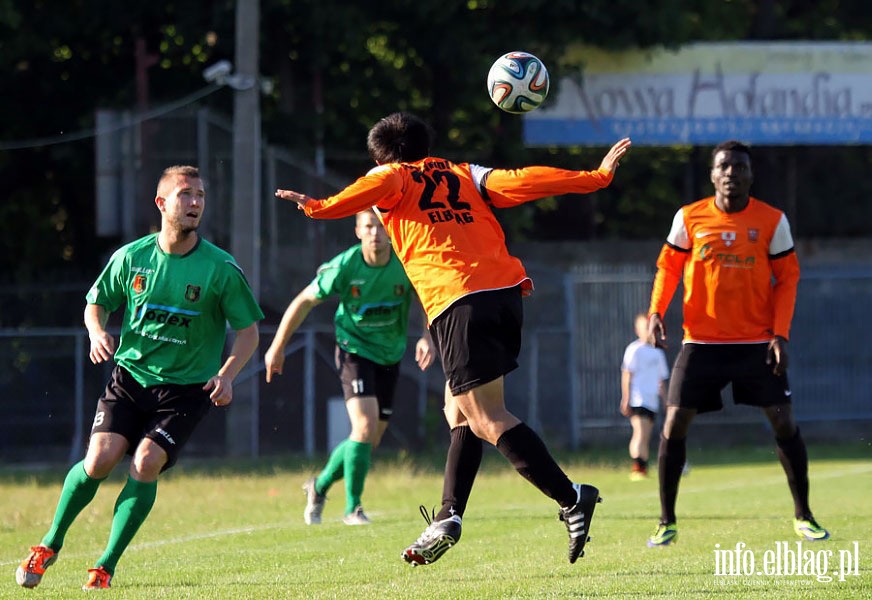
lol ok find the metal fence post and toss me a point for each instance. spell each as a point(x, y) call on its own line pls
point(79, 403)
point(575, 376)
point(309, 393)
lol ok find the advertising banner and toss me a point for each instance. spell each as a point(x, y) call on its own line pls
point(765, 93)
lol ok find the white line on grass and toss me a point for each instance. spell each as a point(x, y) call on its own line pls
point(689, 488)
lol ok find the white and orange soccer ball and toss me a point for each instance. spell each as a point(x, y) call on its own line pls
point(518, 82)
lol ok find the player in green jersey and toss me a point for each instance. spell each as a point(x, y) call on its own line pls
point(371, 335)
point(178, 292)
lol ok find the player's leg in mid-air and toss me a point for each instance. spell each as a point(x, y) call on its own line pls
point(479, 340)
point(461, 466)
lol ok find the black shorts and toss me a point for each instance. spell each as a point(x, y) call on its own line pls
point(641, 411)
point(701, 371)
point(166, 414)
point(363, 377)
point(479, 337)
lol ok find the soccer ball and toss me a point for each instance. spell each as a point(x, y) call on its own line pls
point(518, 82)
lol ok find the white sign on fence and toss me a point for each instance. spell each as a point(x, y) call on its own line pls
point(766, 93)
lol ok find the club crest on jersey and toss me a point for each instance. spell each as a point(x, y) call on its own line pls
point(753, 234)
point(399, 289)
point(139, 282)
point(355, 291)
point(192, 293)
point(729, 237)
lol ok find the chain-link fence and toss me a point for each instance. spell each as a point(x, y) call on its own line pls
point(567, 386)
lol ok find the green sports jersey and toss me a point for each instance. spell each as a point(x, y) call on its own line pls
point(177, 308)
point(372, 320)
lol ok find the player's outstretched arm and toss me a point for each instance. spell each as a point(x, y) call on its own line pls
point(615, 154)
point(295, 314)
point(300, 199)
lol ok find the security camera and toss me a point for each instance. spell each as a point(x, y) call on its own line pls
point(218, 72)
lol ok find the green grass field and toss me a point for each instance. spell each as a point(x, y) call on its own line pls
point(237, 532)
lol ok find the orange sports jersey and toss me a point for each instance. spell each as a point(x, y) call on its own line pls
point(729, 262)
point(439, 217)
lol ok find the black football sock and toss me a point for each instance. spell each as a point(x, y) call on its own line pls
point(461, 467)
point(672, 456)
point(528, 454)
point(794, 459)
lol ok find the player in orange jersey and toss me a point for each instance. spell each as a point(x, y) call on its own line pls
point(729, 249)
point(439, 216)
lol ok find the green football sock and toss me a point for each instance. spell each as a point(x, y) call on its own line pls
point(357, 459)
point(79, 489)
point(334, 470)
point(132, 507)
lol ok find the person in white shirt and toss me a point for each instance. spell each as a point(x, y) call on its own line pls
point(643, 376)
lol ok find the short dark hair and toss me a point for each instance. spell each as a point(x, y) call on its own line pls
point(731, 146)
point(169, 175)
point(399, 137)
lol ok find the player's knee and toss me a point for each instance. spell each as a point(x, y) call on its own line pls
point(784, 429)
point(479, 429)
point(487, 429)
point(98, 466)
point(365, 432)
point(147, 463)
point(102, 457)
point(781, 419)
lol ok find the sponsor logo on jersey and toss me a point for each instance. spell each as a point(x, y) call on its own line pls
point(139, 282)
point(729, 237)
point(192, 293)
point(447, 215)
point(726, 259)
point(167, 315)
point(385, 312)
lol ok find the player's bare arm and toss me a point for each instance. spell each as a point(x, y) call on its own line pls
point(615, 154)
point(220, 385)
point(625, 393)
point(300, 199)
point(295, 314)
point(102, 343)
